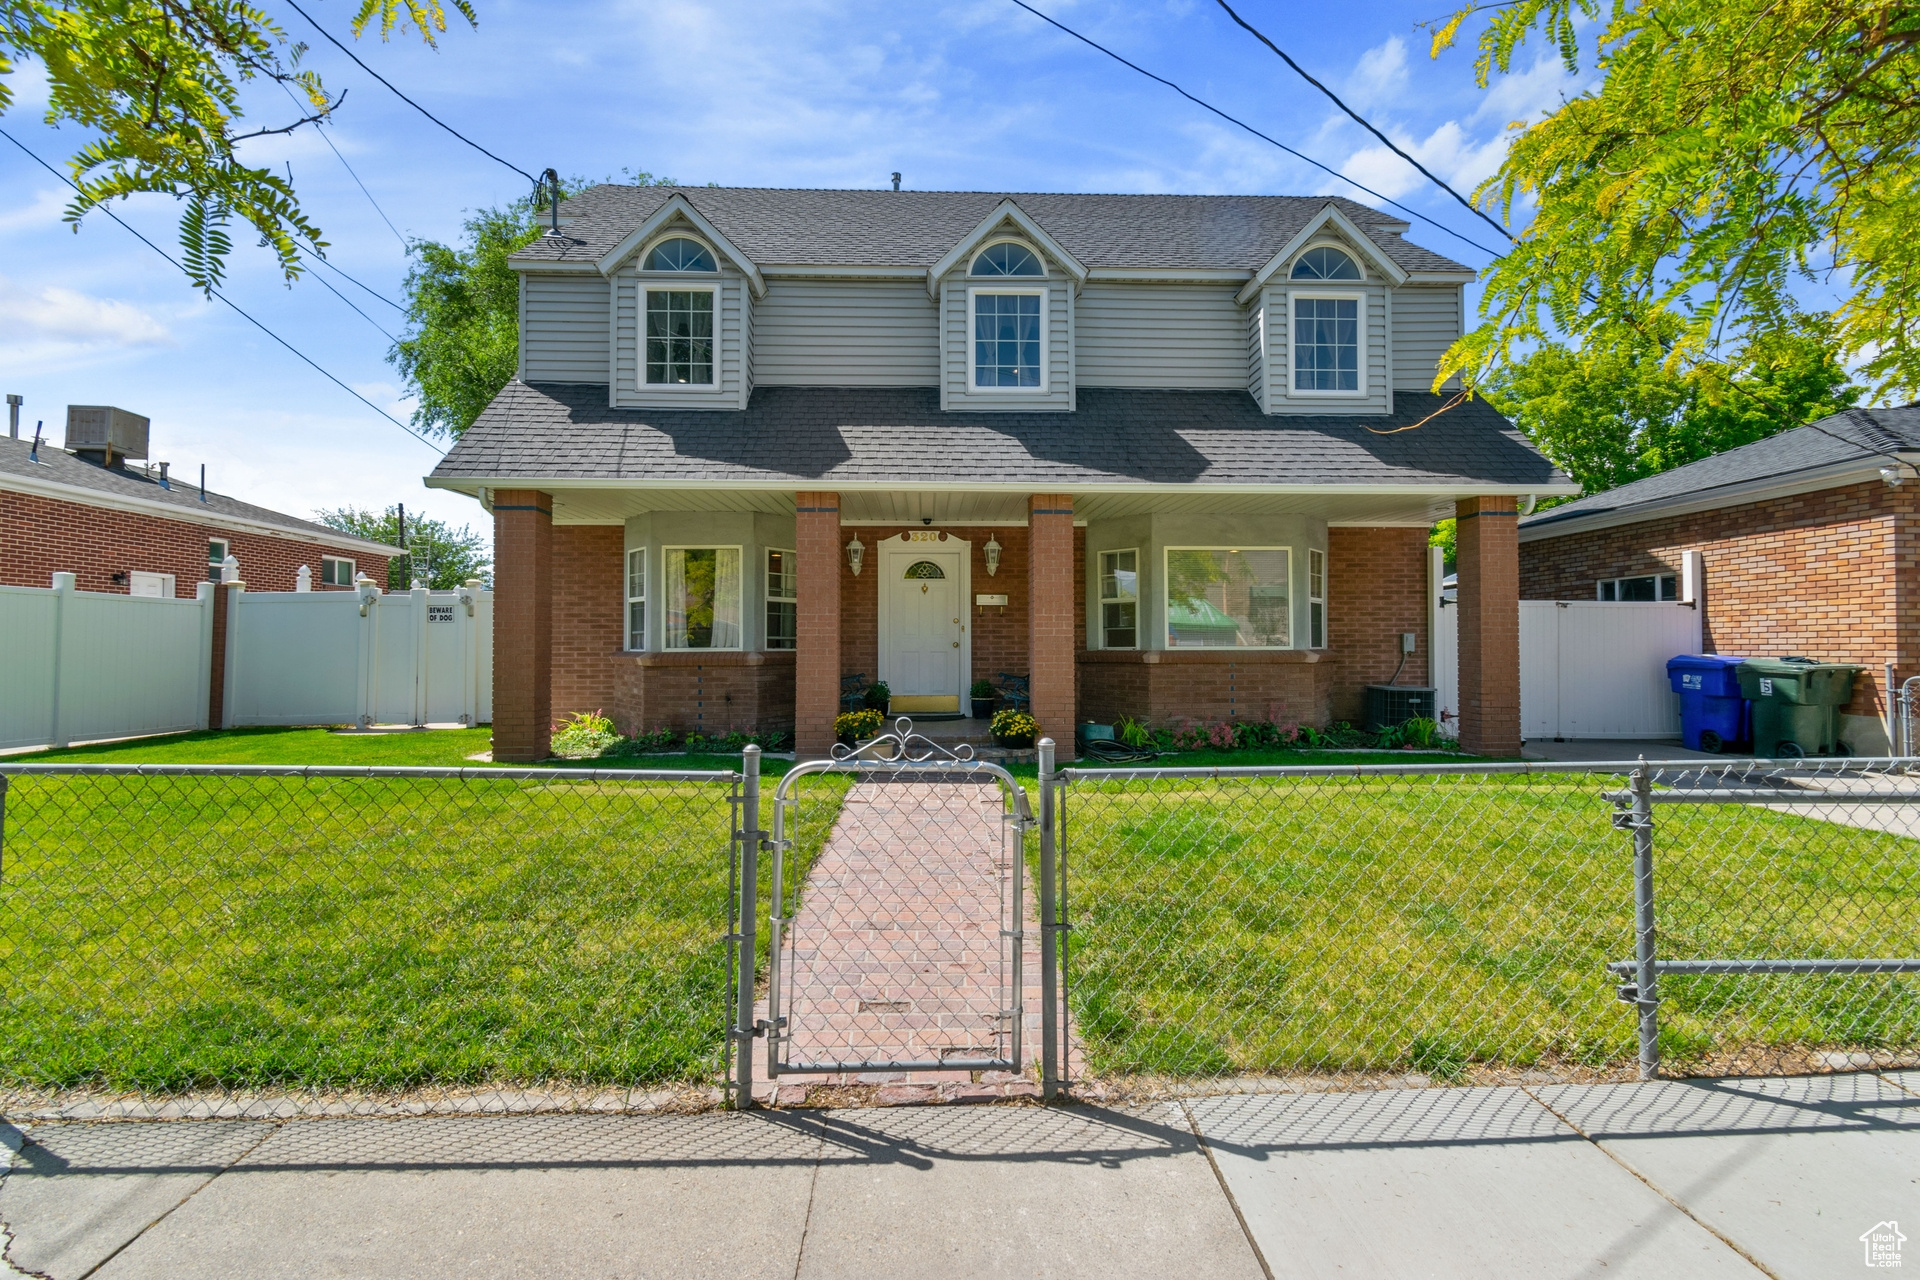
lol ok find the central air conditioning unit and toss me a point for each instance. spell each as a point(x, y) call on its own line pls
point(103, 429)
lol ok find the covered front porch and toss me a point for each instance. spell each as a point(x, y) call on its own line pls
point(744, 610)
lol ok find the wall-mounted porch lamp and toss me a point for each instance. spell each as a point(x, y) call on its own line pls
point(856, 555)
point(992, 550)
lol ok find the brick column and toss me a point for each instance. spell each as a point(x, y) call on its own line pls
point(1488, 561)
point(1051, 642)
point(522, 624)
point(816, 659)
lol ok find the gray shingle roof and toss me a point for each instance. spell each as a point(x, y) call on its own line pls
point(916, 228)
point(803, 436)
point(57, 466)
point(1855, 435)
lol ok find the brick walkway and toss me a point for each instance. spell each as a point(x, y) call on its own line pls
point(895, 943)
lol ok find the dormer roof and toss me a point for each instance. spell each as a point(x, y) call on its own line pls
point(1329, 218)
point(1007, 216)
point(677, 208)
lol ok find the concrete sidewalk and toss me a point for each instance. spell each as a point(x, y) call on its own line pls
point(1680, 1179)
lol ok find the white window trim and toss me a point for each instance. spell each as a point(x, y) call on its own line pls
point(1045, 294)
point(1359, 262)
point(1102, 600)
point(226, 549)
point(353, 570)
point(767, 597)
point(1312, 599)
point(679, 232)
point(1040, 257)
point(704, 546)
point(626, 589)
point(1600, 583)
point(1166, 604)
point(1293, 344)
point(670, 282)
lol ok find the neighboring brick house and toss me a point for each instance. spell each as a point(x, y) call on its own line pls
point(1809, 545)
point(120, 529)
point(1168, 456)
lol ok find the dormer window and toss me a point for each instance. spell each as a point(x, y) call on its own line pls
point(680, 254)
point(1325, 263)
point(1007, 259)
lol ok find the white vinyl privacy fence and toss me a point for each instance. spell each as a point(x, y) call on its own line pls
point(1588, 668)
point(85, 664)
point(333, 657)
point(82, 666)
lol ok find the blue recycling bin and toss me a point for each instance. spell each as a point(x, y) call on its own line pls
point(1713, 715)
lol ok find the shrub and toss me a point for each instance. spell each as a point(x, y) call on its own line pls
point(1133, 733)
point(850, 725)
point(582, 735)
point(641, 743)
point(877, 696)
point(982, 688)
point(1221, 737)
point(1014, 728)
point(1421, 731)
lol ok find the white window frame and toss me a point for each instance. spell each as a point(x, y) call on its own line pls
point(352, 569)
point(635, 555)
point(681, 232)
point(1166, 602)
point(1045, 294)
point(672, 282)
point(1038, 256)
point(1659, 585)
point(1316, 602)
point(767, 598)
point(1100, 585)
point(1347, 294)
point(216, 563)
point(735, 547)
point(1359, 264)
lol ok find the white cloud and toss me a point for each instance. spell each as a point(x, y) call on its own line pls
point(1379, 76)
point(56, 325)
point(1525, 96)
point(1448, 151)
point(31, 90)
point(41, 212)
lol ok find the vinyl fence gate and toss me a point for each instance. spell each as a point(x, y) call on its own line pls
point(897, 916)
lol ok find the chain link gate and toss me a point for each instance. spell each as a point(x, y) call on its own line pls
point(896, 927)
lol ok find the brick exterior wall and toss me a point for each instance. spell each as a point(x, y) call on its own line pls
point(523, 674)
point(1488, 561)
point(817, 662)
point(589, 629)
point(41, 536)
point(999, 635)
point(1831, 575)
point(1376, 589)
point(1052, 637)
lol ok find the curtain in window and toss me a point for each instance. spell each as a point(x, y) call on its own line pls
point(726, 597)
point(703, 598)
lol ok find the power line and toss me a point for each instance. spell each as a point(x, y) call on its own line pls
point(350, 173)
point(223, 297)
point(1360, 120)
point(1239, 123)
point(404, 98)
point(328, 264)
point(356, 310)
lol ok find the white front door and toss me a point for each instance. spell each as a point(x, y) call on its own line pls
point(923, 626)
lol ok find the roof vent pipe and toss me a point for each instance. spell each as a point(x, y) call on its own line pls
point(164, 482)
point(896, 180)
point(13, 415)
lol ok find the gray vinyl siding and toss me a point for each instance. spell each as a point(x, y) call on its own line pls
point(729, 390)
point(846, 333)
point(1283, 399)
point(1186, 337)
point(563, 327)
point(1426, 320)
point(956, 380)
point(1256, 352)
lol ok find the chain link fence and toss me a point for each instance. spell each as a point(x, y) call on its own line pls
point(1268, 927)
point(210, 940)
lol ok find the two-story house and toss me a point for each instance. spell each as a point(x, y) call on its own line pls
point(1167, 456)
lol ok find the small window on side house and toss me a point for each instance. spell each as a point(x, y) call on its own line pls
point(1119, 599)
point(336, 572)
point(637, 598)
point(216, 557)
point(1316, 599)
point(783, 609)
point(1643, 588)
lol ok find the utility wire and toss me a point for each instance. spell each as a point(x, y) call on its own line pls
point(356, 310)
point(381, 297)
point(223, 297)
point(1361, 120)
point(404, 98)
point(1239, 123)
point(350, 173)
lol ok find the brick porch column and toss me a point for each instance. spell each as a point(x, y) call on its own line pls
point(1050, 600)
point(522, 624)
point(1488, 561)
point(816, 659)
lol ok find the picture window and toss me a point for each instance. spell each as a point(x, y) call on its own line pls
point(702, 597)
point(1223, 598)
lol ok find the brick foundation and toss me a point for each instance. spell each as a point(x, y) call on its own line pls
point(1201, 686)
point(1830, 575)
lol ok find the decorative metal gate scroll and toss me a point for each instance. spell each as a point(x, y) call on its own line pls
point(897, 934)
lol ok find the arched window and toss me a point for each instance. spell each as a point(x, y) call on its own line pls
point(1324, 263)
point(924, 569)
point(1007, 259)
point(680, 254)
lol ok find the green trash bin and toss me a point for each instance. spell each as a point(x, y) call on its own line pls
point(1796, 705)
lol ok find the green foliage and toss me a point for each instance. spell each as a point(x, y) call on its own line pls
point(157, 85)
point(1013, 728)
point(1607, 417)
point(582, 735)
point(1421, 732)
point(1132, 733)
point(877, 696)
point(1733, 152)
point(849, 725)
point(982, 689)
point(1445, 536)
point(463, 311)
point(445, 556)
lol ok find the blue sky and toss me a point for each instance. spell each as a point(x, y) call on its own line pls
point(828, 93)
